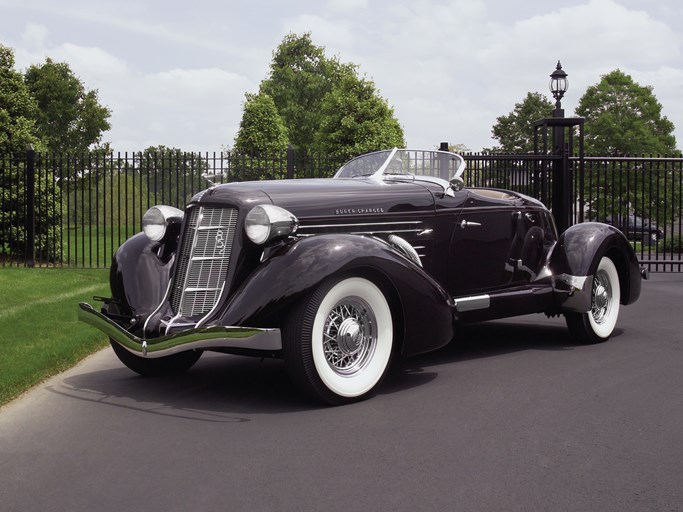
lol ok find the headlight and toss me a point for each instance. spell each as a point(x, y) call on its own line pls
point(158, 218)
point(266, 222)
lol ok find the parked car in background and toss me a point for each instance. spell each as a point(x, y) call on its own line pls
point(338, 276)
point(636, 228)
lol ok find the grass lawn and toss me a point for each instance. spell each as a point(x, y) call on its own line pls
point(40, 334)
point(93, 246)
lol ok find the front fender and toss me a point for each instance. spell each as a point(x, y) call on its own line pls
point(580, 248)
point(297, 268)
point(138, 276)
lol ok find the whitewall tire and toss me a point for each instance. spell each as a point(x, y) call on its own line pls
point(598, 324)
point(339, 341)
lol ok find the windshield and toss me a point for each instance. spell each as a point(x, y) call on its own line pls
point(404, 162)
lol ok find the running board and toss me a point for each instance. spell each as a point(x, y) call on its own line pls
point(472, 303)
point(513, 302)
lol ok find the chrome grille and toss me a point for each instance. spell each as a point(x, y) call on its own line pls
point(203, 260)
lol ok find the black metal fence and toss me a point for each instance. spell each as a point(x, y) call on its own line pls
point(75, 210)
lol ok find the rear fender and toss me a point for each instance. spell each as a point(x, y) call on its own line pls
point(423, 309)
point(579, 250)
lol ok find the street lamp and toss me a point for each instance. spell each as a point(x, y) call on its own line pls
point(559, 83)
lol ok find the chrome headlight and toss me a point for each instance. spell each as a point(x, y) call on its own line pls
point(158, 218)
point(266, 222)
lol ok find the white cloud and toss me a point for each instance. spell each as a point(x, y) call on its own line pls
point(352, 6)
point(35, 35)
point(324, 32)
point(449, 68)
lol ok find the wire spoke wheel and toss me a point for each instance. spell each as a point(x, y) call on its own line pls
point(339, 341)
point(349, 336)
point(599, 322)
point(601, 300)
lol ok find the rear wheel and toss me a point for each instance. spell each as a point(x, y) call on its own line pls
point(158, 366)
point(598, 324)
point(338, 341)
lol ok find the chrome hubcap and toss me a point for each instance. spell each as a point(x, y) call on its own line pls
point(602, 297)
point(349, 335)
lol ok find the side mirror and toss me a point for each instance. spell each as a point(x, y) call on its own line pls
point(457, 184)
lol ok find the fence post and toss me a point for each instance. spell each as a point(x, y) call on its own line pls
point(30, 224)
point(290, 162)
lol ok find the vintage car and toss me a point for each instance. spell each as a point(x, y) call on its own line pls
point(337, 276)
point(636, 228)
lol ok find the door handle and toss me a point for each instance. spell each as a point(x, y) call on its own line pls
point(466, 223)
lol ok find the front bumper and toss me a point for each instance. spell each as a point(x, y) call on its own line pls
point(204, 338)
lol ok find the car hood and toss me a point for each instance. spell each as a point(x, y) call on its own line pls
point(326, 197)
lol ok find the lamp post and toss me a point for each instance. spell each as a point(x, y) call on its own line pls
point(563, 131)
point(559, 83)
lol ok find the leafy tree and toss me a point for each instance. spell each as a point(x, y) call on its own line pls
point(458, 148)
point(69, 117)
point(515, 131)
point(170, 174)
point(306, 85)
point(17, 108)
point(260, 141)
point(17, 131)
point(300, 77)
point(624, 118)
point(356, 120)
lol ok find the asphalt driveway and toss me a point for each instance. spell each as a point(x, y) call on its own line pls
point(512, 417)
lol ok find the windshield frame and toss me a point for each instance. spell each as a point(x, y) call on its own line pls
point(379, 174)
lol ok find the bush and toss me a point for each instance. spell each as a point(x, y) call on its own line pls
point(672, 244)
point(48, 215)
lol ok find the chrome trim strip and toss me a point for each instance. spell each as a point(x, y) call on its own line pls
point(306, 235)
point(573, 281)
point(186, 324)
point(192, 339)
point(163, 301)
point(220, 296)
point(472, 303)
point(397, 223)
point(580, 292)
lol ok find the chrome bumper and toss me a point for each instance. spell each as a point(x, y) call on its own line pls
point(580, 292)
point(204, 338)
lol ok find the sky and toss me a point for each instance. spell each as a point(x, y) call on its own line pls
point(176, 73)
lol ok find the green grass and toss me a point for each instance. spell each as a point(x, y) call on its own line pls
point(93, 246)
point(40, 334)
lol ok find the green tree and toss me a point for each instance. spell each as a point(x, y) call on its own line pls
point(261, 128)
point(17, 131)
point(356, 120)
point(300, 77)
point(261, 140)
point(624, 118)
point(172, 175)
point(515, 131)
point(69, 117)
point(307, 86)
point(458, 148)
point(18, 109)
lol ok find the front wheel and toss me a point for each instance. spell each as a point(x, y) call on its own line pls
point(338, 341)
point(158, 366)
point(598, 324)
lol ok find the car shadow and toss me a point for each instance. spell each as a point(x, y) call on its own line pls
point(482, 340)
point(222, 388)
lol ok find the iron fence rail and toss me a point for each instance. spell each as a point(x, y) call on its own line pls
point(75, 210)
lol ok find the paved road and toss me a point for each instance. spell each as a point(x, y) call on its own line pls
point(515, 417)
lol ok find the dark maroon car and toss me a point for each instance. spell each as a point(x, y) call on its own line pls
point(337, 276)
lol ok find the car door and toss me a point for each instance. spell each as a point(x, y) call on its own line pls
point(487, 244)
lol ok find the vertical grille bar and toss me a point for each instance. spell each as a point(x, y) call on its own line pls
point(204, 260)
